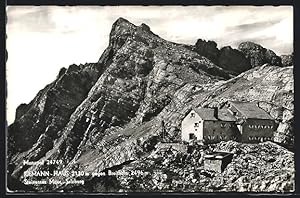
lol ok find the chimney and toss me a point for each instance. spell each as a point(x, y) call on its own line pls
point(216, 112)
point(257, 104)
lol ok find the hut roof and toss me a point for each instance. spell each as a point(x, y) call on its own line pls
point(218, 155)
point(251, 110)
point(208, 114)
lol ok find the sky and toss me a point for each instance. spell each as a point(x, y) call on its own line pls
point(43, 39)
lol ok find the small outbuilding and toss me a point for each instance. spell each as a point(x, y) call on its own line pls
point(217, 161)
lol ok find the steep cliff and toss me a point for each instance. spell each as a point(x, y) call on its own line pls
point(103, 115)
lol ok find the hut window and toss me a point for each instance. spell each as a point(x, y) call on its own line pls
point(192, 115)
point(196, 124)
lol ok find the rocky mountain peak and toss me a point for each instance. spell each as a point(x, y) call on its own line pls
point(227, 58)
point(123, 31)
point(121, 28)
point(122, 22)
point(250, 45)
point(145, 27)
point(258, 55)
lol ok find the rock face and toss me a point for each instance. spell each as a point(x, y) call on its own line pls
point(50, 109)
point(100, 116)
point(208, 49)
point(234, 60)
point(259, 55)
point(231, 60)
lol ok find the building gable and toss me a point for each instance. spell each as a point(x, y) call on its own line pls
point(192, 115)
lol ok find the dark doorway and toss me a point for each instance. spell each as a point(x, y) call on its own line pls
point(192, 136)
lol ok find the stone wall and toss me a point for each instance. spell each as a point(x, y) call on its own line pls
point(176, 146)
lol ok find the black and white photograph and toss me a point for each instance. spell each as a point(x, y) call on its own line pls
point(161, 99)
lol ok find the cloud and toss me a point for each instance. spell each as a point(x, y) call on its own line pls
point(246, 27)
point(33, 19)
